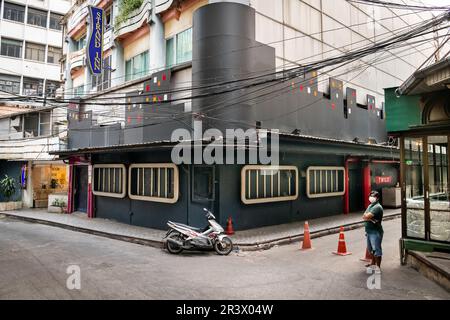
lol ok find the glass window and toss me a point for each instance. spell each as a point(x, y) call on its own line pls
point(110, 180)
point(13, 12)
point(54, 55)
point(33, 87)
point(184, 46)
point(78, 91)
point(35, 51)
point(11, 48)
point(31, 125)
point(137, 66)
point(261, 184)
point(80, 43)
point(170, 52)
point(156, 182)
point(16, 127)
point(108, 18)
point(102, 81)
point(438, 188)
point(37, 17)
point(203, 183)
point(325, 182)
point(9, 83)
point(51, 87)
point(44, 123)
point(414, 176)
point(54, 21)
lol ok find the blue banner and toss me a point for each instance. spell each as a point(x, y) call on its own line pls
point(94, 50)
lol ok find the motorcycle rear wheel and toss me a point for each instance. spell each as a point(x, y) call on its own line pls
point(223, 247)
point(173, 248)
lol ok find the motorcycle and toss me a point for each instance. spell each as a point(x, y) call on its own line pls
point(181, 237)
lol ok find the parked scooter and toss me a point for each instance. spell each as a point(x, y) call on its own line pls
point(183, 237)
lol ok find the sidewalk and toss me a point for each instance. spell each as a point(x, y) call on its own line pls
point(254, 239)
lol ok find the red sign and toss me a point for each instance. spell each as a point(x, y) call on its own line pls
point(381, 180)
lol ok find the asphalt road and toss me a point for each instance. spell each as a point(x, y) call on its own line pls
point(34, 259)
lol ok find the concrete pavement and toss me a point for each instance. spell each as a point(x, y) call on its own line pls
point(34, 259)
point(253, 239)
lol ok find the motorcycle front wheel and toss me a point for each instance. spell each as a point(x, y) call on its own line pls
point(173, 248)
point(223, 247)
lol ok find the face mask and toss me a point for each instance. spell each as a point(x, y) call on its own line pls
point(372, 199)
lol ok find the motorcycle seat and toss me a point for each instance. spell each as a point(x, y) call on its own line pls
point(186, 226)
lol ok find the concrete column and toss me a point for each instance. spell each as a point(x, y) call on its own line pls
point(157, 45)
point(118, 65)
point(27, 194)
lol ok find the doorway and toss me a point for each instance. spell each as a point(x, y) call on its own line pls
point(80, 188)
point(355, 187)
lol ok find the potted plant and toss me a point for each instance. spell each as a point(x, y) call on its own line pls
point(8, 189)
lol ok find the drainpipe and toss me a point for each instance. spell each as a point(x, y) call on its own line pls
point(70, 190)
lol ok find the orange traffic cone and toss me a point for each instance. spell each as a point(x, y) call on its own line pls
point(229, 230)
point(368, 257)
point(306, 237)
point(342, 248)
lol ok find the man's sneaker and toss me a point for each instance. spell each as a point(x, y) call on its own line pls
point(377, 269)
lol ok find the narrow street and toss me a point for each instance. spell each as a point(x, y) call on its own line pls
point(34, 259)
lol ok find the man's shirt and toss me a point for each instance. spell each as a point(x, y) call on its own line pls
point(374, 225)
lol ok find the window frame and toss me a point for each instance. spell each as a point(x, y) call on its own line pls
point(267, 199)
point(110, 194)
point(19, 43)
point(156, 199)
point(58, 21)
point(324, 194)
point(134, 76)
point(58, 51)
point(16, 7)
point(41, 49)
point(174, 38)
point(37, 11)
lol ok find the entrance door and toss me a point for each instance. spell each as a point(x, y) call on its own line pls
point(204, 194)
point(355, 187)
point(80, 188)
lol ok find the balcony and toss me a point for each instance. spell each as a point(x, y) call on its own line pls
point(76, 59)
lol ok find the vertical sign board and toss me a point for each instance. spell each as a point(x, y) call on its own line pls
point(94, 50)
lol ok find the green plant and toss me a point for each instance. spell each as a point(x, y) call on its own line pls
point(8, 186)
point(126, 7)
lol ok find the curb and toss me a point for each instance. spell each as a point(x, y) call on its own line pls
point(256, 246)
point(265, 245)
point(141, 241)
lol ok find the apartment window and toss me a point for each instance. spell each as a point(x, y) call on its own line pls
point(156, 182)
point(33, 87)
point(260, 184)
point(102, 81)
point(11, 48)
point(179, 48)
point(11, 128)
point(37, 124)
point(78, 91)
point(54, 55)
point(50, 88)
point(34, 51)
point(13, 12)
point(9, 83)
point(109, 180)
point(108, 18)
point(137, 66)
point(325, 182)
point(37, 17)
point(80, 43)
point(54, 21)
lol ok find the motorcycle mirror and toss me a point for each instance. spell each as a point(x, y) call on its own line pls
point(204, 209)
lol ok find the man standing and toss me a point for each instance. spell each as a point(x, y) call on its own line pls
point(374, 230)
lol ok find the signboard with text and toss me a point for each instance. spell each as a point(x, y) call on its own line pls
point(94, 50)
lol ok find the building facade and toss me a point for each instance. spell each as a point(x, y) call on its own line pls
point(169, 64)
point(30, 67)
